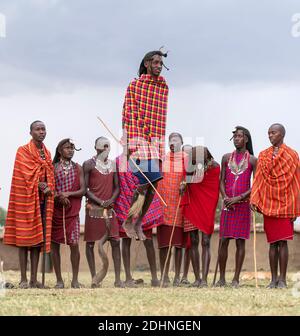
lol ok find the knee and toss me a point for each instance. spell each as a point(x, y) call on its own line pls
point(205, 242)
point(115, 243)
point(240, 244)
point(89, 246)
point(274, 245)
point(148, 243)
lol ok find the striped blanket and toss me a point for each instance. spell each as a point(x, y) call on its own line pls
point(24, 218)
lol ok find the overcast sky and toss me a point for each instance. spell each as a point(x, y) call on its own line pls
point(65, 62)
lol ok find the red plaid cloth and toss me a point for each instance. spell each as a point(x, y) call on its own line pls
point(128, 183)
point(144, 117)
point(168, 187)
point(63, 182)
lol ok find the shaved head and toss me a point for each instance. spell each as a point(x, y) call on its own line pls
point(279, 127)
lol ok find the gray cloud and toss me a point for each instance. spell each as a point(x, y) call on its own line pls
point(58, 45)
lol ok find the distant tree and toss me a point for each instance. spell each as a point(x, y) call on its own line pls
point(2, 216)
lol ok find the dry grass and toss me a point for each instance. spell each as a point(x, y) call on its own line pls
point(247, 300)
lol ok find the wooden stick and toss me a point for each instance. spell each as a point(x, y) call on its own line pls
point(136, 166)
point(65, 237)
point(254, 249)
point(170, 242)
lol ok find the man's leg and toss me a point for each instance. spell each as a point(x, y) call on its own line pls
point(55, 254)
point(164, 263)
point(148, 200)
point(34, 260)
point(239, 260)
point(89, 252)
point(195, 258)
point(283, 263)
point(116, 255)
point(186, 265)
point(148, 243)
point(178, 260)
point(273, 259)
point(75, 261)
point(127, 225)
point(126, 243)
point(23, 257)
point(223, 255)
point(205, 243)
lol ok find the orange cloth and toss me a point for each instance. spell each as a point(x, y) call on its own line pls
point(24, 221)
point(168, 187)
point(276, 185)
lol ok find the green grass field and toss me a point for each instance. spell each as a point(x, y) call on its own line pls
point(105, 301)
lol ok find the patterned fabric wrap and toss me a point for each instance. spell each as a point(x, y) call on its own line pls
point(235, 223)
point(144, 117)
point(66, 183)
point(128, 183)
point(276, 185)
point(168, 187)
point(63, 182)
point(24, 226)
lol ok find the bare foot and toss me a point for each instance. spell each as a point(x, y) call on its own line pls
point(196, 283)
point(119, 284)
point(272, 285)
point(155, 283)
point(131, 284)
point(76, 284)
point(281, 284)
point(37, 284)
point(129, 228)
point(184, 281)
point(23, 285)
point(203, 284)
point(235, 284)
point(176, 282)
point(96, 285)
point(59, 285)
point(140, 232)
point(221, 283)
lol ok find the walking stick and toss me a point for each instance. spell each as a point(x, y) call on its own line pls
point(133, 162)
point(254, 249)
point(44, 219)
point(65, 238)
point(170, 242)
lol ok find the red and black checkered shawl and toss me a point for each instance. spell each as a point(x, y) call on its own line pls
point(128, 183)
point(144, 116)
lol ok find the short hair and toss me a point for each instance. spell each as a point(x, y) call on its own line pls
point(172, 135)
point(148, 57)
point(33, 123)
point(102, 137)
point(282, 128)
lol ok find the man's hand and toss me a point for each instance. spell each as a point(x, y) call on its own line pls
point(253, 208)
point(230, 201)
point(62, 199)
point(43, 187)
point(106, 204)
point(182, 189)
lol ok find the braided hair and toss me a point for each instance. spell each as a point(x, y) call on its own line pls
point(249, 146)
point(148, 57)
point(57, 155)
